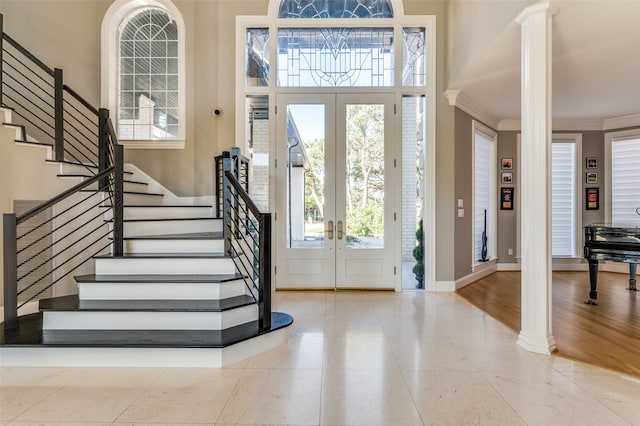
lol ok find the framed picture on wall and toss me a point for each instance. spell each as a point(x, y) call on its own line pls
point(507, 177)
point(506, 198)
point(592, 178)
point(592, 198)
point(506, 164)
point(592, 162)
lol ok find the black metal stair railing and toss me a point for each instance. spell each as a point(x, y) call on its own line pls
point(247, 236)
point(66, 231)
point(52, 111)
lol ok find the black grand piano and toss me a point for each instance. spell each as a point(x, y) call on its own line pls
point(620, 243)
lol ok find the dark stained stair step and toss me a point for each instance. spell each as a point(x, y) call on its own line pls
point(73, 303)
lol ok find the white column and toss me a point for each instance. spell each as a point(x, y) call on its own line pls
point(535, 334)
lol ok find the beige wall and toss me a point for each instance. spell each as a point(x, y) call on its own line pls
point(66, 34)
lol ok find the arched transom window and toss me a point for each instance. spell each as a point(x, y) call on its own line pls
point(337, 54)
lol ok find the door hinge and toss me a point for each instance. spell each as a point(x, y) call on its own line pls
point(275, 107)
point(395, 163)
point(394, 216)
point(275, 163)
point(275, 270)
point(395, 271)
point(275, 216)
point(394, 109)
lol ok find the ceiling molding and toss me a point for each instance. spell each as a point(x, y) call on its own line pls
point(458, 99)
point(578, 124)
point(621, 122)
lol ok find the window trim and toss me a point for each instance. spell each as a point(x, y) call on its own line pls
point(492, 214)
point(577, 139)
point(609, 138)
point(579, 209)
point(110, 75)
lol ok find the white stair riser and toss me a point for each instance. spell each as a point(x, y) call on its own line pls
point(124, 266)
point(141, 320)
point(128, 186)
point(55, 356)
point(164, 227)
point(160, 291)
point(145, 199)
point(77, 169)
point(173, 246)
point(162, 212)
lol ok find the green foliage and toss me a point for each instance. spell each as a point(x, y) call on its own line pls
point(418, 251)
point(367, 221)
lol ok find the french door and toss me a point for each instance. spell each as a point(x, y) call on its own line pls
point(336, 191)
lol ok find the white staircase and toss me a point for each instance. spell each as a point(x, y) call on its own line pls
point(173, 298)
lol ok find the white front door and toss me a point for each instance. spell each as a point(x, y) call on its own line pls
point(336, 191)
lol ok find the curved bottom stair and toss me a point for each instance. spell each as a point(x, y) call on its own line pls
point(31, 346)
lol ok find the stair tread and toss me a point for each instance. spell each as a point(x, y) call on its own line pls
point(163, 255)
point(166, 219)
point(184, 236)
point(160, 205)
point(29, 333)
point(155, 194)
point(81, 175)
point(73, 303)
point(163, 278)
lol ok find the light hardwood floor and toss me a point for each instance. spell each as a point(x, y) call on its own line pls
point(606, 335)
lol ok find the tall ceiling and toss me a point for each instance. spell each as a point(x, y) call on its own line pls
point(596, 56)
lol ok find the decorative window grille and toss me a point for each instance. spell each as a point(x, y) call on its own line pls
point(414, 57)
point(563, 199)
point(148, 98)
point(625, 178)
point(335, 57)
point(257, 57)
point(335, 9)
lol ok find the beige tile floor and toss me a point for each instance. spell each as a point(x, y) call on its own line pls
point(354, 358)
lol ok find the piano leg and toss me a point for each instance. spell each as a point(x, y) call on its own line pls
point(632, 276)
point(593, 280)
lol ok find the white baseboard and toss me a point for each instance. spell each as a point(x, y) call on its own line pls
point(444, 286)
point(475, 276)
point(508, 267)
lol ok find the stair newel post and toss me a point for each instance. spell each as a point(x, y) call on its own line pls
point(227, 222)
point(58, 114)
point(118, 201)
point(264, 305)
point(235, 156)
point(10, 265)
point(103, 144)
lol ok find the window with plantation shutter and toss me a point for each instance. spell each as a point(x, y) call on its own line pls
point(484, 190)
point(625, 180)
point(563, 198)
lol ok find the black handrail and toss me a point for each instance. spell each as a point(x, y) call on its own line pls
point(81, 121)
point(80, 99)
point(27, 54)
point(251, 253)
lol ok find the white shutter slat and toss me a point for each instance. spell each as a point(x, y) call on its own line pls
point(625, 181)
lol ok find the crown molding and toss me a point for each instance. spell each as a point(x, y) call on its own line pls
point(621, 122)
point(460, 100)
point(578, 124)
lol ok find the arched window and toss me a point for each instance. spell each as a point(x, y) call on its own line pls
point(335, 9)
point(143, 72)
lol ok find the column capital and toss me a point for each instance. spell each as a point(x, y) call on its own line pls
point(545, 7)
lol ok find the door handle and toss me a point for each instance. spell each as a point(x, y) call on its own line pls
point(330, 230)
point(340, 230)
